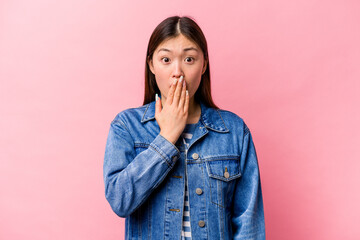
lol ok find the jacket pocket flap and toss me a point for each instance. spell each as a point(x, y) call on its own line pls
point(225, 169)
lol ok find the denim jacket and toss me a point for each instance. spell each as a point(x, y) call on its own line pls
point(144, 176)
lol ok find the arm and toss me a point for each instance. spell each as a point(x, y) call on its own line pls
point(129, 179)
point(248, 210)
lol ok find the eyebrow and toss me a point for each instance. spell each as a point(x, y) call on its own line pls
point(185, 49)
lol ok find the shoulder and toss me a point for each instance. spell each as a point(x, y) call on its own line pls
point(232, 120)
point(229, 115)
point(130, 114)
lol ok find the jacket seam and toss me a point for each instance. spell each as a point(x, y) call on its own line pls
point(147, 107)
point(123, 124)
point(127, 130)
point(222, 118)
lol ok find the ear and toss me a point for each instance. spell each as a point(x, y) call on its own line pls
point(151, 65)
point(204, 67)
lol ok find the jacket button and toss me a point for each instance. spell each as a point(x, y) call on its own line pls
point(201, 223)
point(195, 156)
point(198, 191)
point(226, 174)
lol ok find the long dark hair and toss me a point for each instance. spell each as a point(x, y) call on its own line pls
point(169, 28)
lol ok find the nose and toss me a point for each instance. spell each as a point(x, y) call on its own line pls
point(177, 71)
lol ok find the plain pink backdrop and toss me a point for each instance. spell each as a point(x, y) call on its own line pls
point(290, 69)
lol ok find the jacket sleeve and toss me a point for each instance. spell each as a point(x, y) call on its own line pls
point(248, 212)
point(129, 178)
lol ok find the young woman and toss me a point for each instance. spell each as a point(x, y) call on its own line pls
point(179, 167)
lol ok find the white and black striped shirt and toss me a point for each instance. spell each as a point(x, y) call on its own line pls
point(186, 228)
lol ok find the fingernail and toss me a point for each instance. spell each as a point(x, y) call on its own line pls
point(181, 78)
point(175, 80)
point(187, 93)
point(156, 97)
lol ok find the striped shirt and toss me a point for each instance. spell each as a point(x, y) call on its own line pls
point(186, 228)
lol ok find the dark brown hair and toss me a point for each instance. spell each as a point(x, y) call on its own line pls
point(169, 28)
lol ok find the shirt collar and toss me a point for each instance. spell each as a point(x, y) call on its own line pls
point(210, 117)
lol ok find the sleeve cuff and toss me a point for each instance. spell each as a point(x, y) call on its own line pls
point(166, 149)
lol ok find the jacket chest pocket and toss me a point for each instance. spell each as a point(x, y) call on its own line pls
point(222, 174)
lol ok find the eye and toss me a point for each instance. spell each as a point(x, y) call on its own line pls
point(165, 59)
point(191, 59)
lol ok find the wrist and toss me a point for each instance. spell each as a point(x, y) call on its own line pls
point(170, 138)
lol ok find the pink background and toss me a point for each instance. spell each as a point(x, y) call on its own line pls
point(290, 69)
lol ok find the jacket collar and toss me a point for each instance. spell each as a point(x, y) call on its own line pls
point(210, 117)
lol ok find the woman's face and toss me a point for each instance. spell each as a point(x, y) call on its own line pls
point(177, 57)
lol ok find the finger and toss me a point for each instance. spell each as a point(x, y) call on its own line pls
point(171, 92)
point(187, 99)
point(183, 95)
point(177, 93)
point(157, 105)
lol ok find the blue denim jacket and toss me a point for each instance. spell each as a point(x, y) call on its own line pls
point(144, 177)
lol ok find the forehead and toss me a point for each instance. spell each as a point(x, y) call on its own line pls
point(177, 43)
